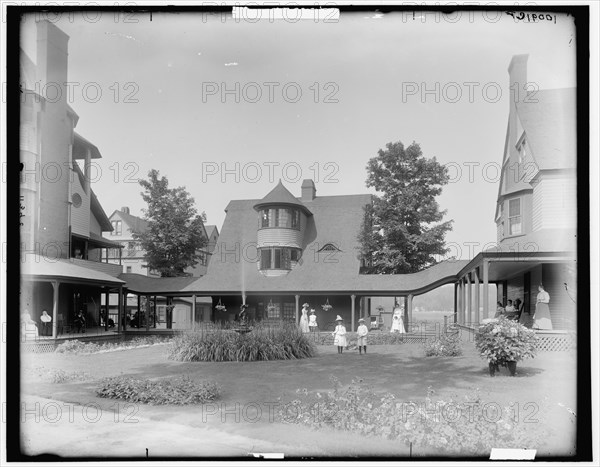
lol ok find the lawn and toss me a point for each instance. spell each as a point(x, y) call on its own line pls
point(241, 421)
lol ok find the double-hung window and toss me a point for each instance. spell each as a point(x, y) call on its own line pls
point(515, 222)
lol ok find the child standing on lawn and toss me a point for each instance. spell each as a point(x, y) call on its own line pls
point(362, 332)
point(339, 334)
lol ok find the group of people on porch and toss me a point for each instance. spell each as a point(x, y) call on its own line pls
point(515, 311)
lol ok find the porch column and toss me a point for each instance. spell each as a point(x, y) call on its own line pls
point(155, 312)
point(455, 305)
point(352, 298)
point(486, 289)
point(405, 314)
point(297, 297)
point(106, 308)
point(120, 310)
point(410, 312)
point(461, 302)
point(55, 287)
point(477, 294)
point(193, 310)
point(146, 311)
point(469, 299)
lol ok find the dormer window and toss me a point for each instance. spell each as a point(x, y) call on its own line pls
point(329, 247)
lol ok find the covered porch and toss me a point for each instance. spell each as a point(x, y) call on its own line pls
point(64, 288)
point(517, 276)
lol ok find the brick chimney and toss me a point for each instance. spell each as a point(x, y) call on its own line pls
point(309, 192)
point(125, 209)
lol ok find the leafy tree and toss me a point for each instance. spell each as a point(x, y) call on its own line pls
point(402, 230)
point(175, 230)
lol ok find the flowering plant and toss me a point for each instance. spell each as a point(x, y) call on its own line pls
point(220, 306)
point(503, 340)
point(450, 426)
point(326, 306)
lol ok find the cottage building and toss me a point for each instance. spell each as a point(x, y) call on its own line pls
point(536, 211)
point(131, 255)
point(63, 221)
point(276, 253)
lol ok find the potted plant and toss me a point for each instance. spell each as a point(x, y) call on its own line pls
point(504, 342)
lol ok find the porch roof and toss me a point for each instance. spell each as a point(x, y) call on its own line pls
point(503, 264)
point(36, 267)
point(328, 279)
point(157, 285)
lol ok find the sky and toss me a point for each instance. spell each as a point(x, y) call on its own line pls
point(226, 108)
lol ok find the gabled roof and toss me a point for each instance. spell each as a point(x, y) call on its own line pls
point(335, 218)
point(280, 195)
point(135, 223)
point(210, 229)
point(549, 119)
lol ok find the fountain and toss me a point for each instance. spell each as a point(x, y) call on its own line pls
point(243, 319)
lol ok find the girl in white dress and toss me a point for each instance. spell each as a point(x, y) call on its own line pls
point(304, 319)
point(312, 321)
point(339, 334)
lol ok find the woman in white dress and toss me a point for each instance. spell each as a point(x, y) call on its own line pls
point(398, 322)
point(339, 334)
point(46, 326)
point(304, 319)
point(541, 318)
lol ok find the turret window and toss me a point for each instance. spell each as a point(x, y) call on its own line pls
point(278, 258)
point(280, 217)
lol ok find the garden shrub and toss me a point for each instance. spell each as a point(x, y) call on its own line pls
point(283, 342)
point(178, 391)
point(441, 427)
point(447, 345)
point(501, 340)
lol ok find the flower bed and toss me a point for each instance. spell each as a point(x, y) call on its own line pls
point(179, 391)
point(78, 347)
point(431, 427)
